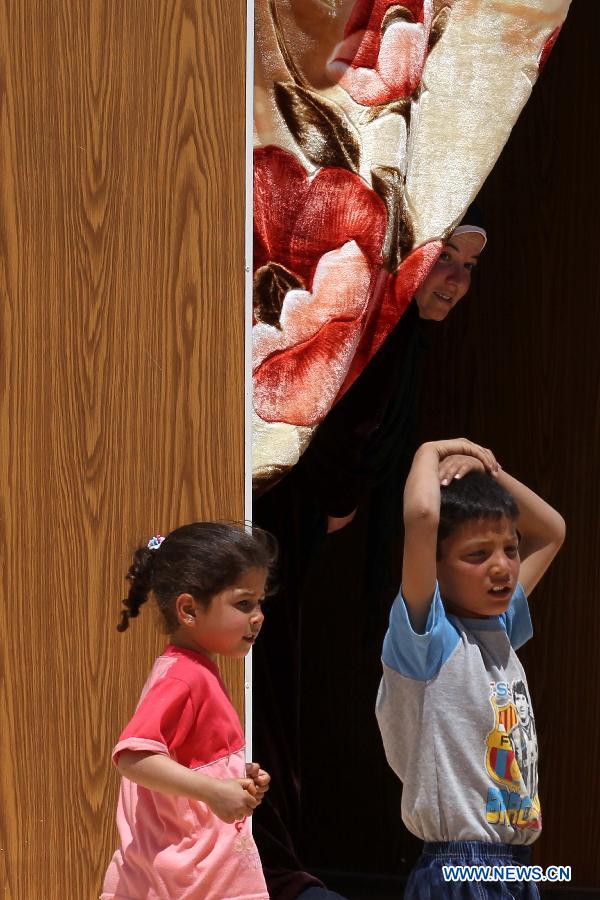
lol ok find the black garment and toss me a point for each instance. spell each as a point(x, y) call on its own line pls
point(371, 428)
point(287, 512)
point(366, 441)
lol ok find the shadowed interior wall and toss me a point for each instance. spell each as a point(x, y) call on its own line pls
point(517, 368)
point(121, 381)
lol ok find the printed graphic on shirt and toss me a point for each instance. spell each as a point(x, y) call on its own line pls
point(511, 758)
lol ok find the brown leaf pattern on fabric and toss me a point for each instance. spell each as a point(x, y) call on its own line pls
point(282, 45)
point(399, 107)
point(438, 26)
point(320, 128)
point(271, 283)
point(396, 14)
point(389, 184)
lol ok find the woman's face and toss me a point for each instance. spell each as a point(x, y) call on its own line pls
point(450, 278)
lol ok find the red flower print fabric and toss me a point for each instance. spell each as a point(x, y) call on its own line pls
point(376, 123)
point(382, 55)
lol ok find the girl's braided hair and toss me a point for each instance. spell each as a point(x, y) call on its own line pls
point(200, 559)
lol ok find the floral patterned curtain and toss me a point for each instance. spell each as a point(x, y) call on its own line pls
point(376, 124)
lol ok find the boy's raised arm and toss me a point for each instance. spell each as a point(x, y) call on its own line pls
point(421, 520)
point(542, 531)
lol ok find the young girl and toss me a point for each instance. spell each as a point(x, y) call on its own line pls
point(186, 790)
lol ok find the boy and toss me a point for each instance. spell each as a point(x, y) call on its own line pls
point(446, 705)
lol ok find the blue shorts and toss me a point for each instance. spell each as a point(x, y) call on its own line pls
point(427, 881)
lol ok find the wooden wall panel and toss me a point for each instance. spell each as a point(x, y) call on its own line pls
point(121, 380)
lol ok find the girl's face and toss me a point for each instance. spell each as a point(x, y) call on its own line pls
point(479, 567)
point(450, 278)
point(230, 625)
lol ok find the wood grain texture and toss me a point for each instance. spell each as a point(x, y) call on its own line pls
point(121, 381)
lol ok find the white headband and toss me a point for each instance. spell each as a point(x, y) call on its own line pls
point(465, 229)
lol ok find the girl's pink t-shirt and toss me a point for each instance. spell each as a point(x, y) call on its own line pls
point(173, 848)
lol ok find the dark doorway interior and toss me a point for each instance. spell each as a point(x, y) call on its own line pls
point(516, 368)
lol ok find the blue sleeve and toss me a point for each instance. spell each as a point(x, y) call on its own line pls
point(419, 656)
point(517, 619)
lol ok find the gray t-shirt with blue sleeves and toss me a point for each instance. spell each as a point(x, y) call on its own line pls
point(457, 724)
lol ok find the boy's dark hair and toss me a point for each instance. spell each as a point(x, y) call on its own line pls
point(200, 559)
point(474, 497)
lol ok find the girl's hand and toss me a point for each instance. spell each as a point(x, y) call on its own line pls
point(464, 447)
point(457, 465)
point(260, 778)
point(232, 799)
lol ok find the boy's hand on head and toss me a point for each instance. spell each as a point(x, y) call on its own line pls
point(260, 778)
point(457, 465)
point(232, 799)
point(464, 447)
point(422, 499)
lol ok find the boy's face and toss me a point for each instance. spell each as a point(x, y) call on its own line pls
point(479, 567)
